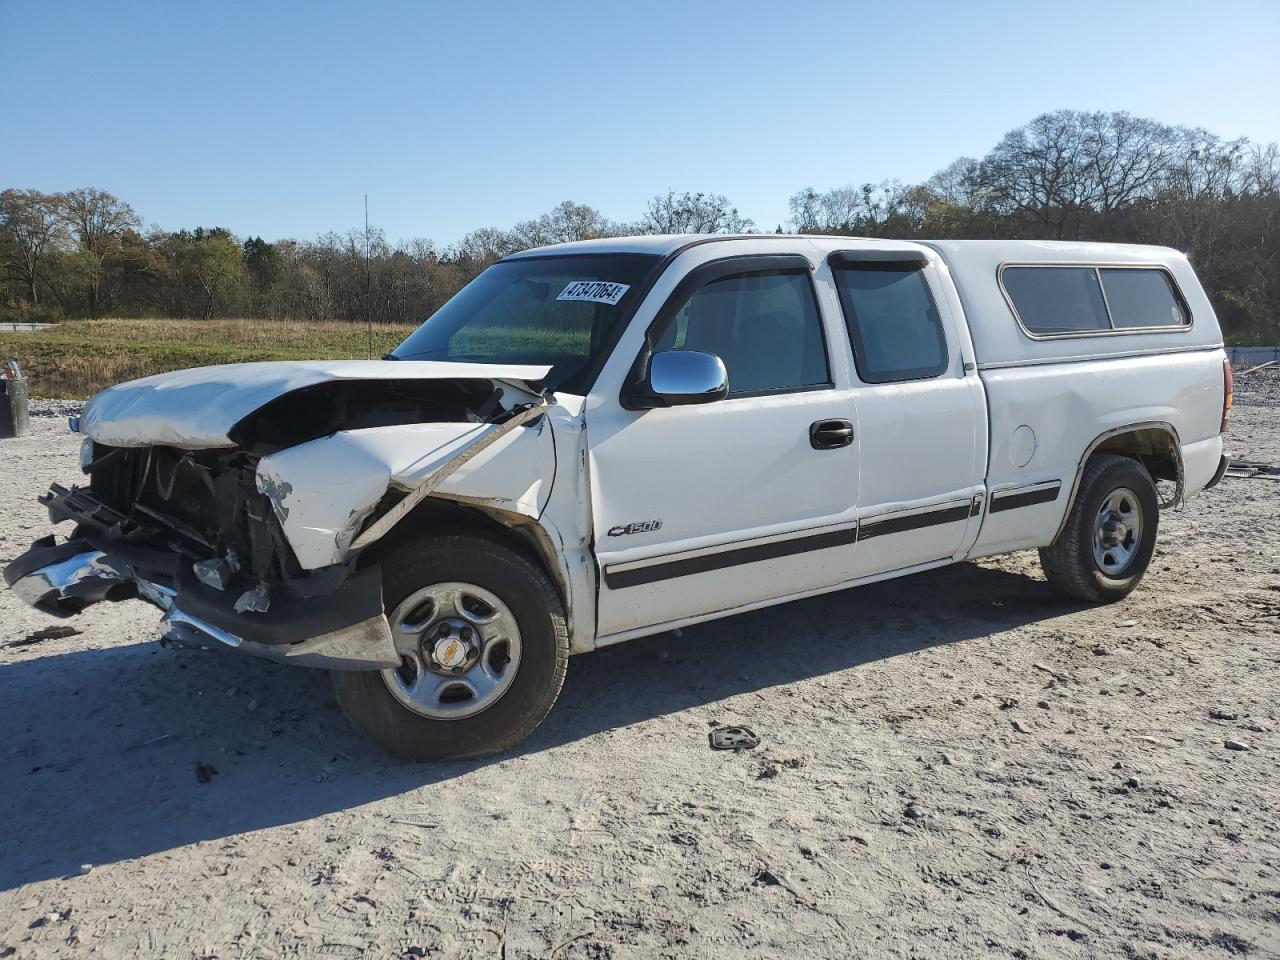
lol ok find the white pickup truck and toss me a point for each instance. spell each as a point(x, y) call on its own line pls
point(602, 440)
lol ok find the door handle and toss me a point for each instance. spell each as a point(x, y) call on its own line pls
point(830, 434)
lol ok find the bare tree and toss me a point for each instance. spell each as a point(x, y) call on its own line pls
point(1068, 163)
point(863, 209)
point(32, 230)
point(565, 223)
point(98, 220)
point(693, 213)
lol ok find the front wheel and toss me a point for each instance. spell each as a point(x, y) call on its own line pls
point(483, 647)
point(1110, 534)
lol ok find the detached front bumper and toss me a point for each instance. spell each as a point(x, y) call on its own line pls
point(344, 629)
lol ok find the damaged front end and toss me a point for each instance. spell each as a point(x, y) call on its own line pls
point(189, 532)
point(251, 537)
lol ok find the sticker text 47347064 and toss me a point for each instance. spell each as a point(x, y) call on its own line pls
point(594, 291)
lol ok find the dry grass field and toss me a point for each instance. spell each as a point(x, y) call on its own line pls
point(80, 357)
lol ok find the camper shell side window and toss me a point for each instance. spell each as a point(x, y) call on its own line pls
point(1056, 300)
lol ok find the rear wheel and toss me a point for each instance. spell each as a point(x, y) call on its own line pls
point(1107, 542)
point(483, 647)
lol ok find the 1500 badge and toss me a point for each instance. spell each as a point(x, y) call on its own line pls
point(642, 526)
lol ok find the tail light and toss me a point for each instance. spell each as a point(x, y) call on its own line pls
point(1228, 385)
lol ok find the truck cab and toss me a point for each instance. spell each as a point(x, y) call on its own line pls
point(608, 439)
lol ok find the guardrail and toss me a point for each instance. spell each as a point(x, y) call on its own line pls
point(23, 327)
point(1251, 356)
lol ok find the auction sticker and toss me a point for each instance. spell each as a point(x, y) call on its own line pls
point(594, 291)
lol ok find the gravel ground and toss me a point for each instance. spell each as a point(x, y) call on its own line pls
point(959, 764)
point(55, 408)
point(1260, 388)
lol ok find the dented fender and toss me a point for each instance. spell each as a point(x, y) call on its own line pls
point(324, 490)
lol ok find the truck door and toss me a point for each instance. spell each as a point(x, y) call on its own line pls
point(701, 509)
point(921, 414)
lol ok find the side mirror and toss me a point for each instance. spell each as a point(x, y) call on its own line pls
point(678, 378)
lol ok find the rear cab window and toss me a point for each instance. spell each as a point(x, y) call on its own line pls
point(892, 319)
point(1085, 299)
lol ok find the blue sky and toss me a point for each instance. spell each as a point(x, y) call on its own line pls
point(275, 118)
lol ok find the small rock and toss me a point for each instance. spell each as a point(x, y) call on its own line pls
point(1101, 651)
point(1236, 745)
point(1008, 703)
point(912, 812)
point(1133, 783)
point(1216, 714)
point(252, 706)
point(1043, 704)
point(85, 868)
point(205, 772)
point(946, 759)
point(1018, 728)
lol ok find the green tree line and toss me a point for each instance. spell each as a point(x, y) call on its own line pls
point(1066, 175)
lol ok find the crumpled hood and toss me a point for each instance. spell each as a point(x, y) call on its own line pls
point(196, 409)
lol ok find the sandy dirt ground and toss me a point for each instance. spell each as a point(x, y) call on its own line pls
point(959, 764)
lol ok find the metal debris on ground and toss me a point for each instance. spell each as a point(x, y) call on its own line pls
point(1261, 366)
point(733, 738)
point(1251, 470)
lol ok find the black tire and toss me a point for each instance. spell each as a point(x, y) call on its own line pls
point(1069, 562)
point(533, 600)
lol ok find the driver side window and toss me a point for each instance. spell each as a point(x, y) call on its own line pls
point(763, 325)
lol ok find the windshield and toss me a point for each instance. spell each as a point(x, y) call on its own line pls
point(553, 310)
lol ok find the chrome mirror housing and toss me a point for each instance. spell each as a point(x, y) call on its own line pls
point(681, 377)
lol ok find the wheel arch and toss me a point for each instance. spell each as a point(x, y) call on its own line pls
point(437, 516)
point(1153, 443)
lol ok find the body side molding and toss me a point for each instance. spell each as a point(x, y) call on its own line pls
point(1025, 496)
point(620, 576)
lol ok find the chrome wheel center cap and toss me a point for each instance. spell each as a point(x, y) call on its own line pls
point(451, 652)
point(1114, 532)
